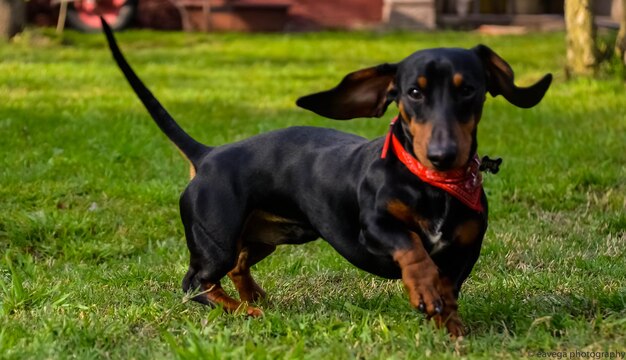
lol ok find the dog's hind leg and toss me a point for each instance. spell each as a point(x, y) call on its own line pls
point(213, 249)
point(263, 231)
point(207, 267)
point(255, 244)
point(249, 255)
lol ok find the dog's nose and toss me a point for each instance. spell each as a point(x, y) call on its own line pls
point(442, 157)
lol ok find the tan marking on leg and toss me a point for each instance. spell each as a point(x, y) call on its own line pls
point(240, 276)
point(457, 80)
point(420, 275)
point(217, 296)
point(405, 214)
point(247, 288)
point(449, 316)
point(467, 233)
point(421, 278)
point(262, 232)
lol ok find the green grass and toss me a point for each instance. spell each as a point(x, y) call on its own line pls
point(92, 250)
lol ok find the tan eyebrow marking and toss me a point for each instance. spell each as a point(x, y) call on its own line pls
point(457, 80)
point(422, 82)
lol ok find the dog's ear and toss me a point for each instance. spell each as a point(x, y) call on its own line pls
point(363, 93)
point(500, 80)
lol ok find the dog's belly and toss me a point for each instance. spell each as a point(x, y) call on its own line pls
point(271, 229)
point(376, 264)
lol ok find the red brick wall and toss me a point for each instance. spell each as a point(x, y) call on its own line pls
point(303, 14)
point(41, 13)
point(335, 13)
point(154, 14)
point(157, 14)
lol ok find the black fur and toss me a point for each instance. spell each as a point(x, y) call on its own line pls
point(333, 185)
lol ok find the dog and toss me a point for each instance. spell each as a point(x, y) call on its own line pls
point(409, 205)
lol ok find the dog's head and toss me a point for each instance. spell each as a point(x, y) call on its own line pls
point(440, 95)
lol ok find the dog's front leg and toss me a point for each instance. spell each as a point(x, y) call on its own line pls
point(428, 291)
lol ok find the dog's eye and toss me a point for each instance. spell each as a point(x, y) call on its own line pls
point(415, 94)
point(467, 91)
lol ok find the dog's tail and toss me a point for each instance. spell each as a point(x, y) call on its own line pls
point(191, 149)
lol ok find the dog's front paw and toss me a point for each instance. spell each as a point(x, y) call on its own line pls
point(254, 311)
point(433, 296)
point(452, 322)
point(449, 316)
point(428, 291)
point(421, 279)
point(424, 287)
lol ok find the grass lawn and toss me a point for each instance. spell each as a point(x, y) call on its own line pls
point(92, 249)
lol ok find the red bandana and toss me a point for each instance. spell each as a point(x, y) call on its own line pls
point(465, 184)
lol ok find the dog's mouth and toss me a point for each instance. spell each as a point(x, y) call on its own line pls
point(441, 161)
point(417, 140)
point(442, 166)
point(445, 163)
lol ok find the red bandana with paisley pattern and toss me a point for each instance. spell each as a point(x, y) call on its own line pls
point(465, 184)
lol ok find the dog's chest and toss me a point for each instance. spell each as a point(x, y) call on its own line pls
point(442, 232)
point(433, 234)
point(434, 230)
point(438, 222)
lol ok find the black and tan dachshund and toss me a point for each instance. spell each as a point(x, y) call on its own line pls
point(409, 205)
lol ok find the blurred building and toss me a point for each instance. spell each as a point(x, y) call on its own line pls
point(306, 15)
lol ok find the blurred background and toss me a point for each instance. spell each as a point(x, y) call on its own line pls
point(91, 246)
point(307, 15)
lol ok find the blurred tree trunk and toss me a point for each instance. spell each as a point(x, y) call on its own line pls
point(582, 54)
point(620, 44)
point(12, 18)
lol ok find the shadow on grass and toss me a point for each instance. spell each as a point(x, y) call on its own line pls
point(555, 313)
